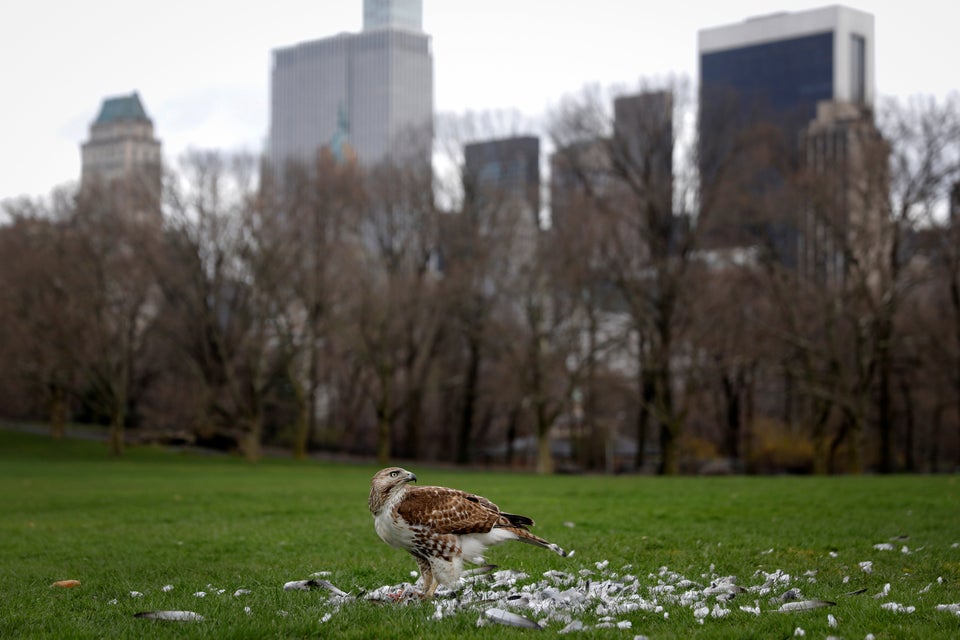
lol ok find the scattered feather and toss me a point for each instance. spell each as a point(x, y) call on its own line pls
point(884, 546)
point(831, 621)
point(952, 608)
point(884, 592)
point(167, 588)
point(178, 616)
point(866, 566)
point(805, 605)
point(575, 625)
point(510, 619)
point(856, 593)
point(896, 607)
point(314, 583)
point(469, 573)
point(241, 592)
point(136, 594)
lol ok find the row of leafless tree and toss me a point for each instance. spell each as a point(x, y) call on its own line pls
point(337, 308)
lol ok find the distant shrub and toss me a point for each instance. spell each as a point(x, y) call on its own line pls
point(779, 448)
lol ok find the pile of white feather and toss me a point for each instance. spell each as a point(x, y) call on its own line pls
point(598, 596)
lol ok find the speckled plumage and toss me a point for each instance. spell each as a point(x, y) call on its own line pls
point(442, 527)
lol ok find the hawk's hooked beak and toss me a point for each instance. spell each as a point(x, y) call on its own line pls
point(411, 477)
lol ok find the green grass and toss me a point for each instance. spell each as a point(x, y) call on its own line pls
point(156, 518)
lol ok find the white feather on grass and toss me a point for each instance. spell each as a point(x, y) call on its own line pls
point(178, 616)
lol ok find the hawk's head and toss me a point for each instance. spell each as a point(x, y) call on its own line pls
point(384, 483)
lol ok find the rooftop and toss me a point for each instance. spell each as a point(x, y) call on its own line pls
point(122, 108)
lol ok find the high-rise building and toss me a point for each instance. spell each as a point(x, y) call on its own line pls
point(842, 219)
point(643, 137)
point(371, 90)
point(640, 151)
point(123, 152)
point(503, 170)
point(760, 83)
point(776, 68)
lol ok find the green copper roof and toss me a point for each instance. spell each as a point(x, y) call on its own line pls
point(122, 108)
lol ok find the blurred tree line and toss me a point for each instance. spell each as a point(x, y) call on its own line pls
point(393, 312)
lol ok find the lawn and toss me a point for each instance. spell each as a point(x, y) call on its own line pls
point(155, 529)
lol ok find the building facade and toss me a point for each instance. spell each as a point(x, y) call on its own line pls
point(640, 151)
point(760, 83)
point(123, 153)
point(842, 220)
point(374, 88)
point(778, 67)
point(506, 169)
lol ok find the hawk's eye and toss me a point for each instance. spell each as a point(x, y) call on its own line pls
point(394, 474)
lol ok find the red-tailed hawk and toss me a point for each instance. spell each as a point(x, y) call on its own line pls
point(442, 527)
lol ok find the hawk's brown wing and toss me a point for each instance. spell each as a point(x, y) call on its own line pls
point(448, 510)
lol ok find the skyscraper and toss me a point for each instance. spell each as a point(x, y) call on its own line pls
point(641, 145)
point(842, 221)
point(775, 68)
point(122, 153)
point(371, 90)
point(505, 169)
point(760, 83)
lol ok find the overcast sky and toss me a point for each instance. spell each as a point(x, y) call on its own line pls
point(202, 66)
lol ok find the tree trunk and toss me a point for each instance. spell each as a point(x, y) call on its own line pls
point(885, 400)
point(116, 440)
point(383, 438)
point(58, 413)
point(250, 444)
point(909, 426)
point(414, 407)
point(469, 401)
point(854, 452)
point(669, 450)
point(301, 435)
point(731, 394)
point(670, 428)
point(647, 393)
point(822, 451)
point(544, 454)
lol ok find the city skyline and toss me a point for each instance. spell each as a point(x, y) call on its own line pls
point(206, 75)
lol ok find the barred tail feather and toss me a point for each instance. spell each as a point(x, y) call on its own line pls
point(525, 536)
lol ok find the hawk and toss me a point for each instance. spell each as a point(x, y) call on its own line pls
point(442, 527)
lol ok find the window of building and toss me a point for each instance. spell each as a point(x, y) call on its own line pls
point(858, 68)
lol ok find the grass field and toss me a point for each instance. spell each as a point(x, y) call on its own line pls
point(168, 526)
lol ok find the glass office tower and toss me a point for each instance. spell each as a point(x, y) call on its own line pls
point(760, 83)
point(371, 90)
point(776, 68)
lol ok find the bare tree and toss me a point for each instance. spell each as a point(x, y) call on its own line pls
point(395, 326)
point(308, 219)
point(622, 164)
point(39, 321)
point(924, 138)
point(214, 291)
point(117, 295)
